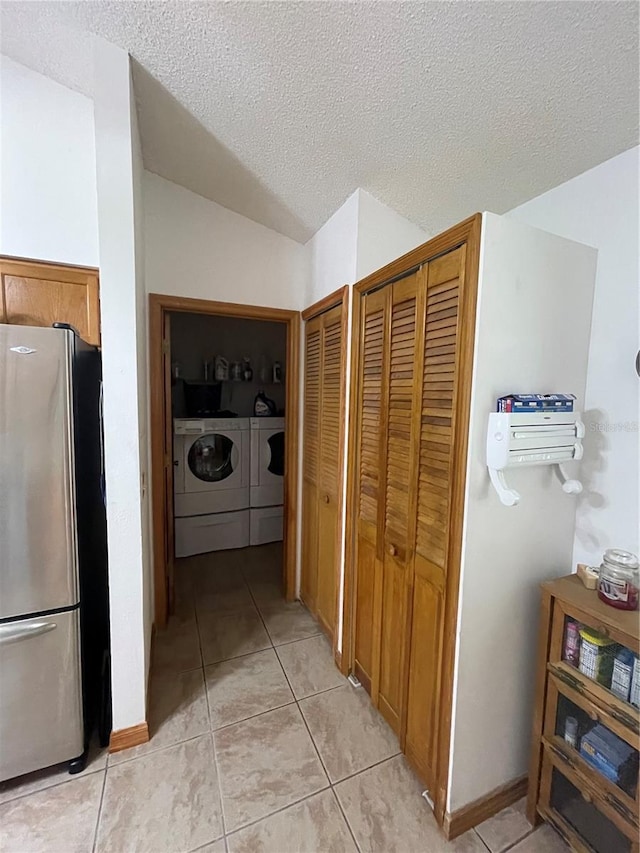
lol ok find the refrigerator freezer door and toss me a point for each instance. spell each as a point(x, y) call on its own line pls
point(40, 701)
point(38, 565)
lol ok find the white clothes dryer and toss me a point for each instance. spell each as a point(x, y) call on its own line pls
point(267, 462)
point(267, 480)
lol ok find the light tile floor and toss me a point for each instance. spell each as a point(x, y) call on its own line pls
point(258, 745)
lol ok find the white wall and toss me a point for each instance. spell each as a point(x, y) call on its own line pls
point(142, 351)
point(383, 235)
point(535, 295)
point(196, 248)
point(361, 237)
point(333, 252)
point(48, 206)
point(600, 208)
point(117, 169)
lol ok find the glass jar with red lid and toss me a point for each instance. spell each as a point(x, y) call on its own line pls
point(619, 579)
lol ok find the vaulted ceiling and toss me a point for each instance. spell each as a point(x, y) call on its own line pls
point(279, 110)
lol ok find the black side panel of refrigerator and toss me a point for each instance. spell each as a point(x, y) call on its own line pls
point(92, 540)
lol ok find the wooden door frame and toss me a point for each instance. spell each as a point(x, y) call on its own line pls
point(159, 304)
point(469, 232)
point(339, 297)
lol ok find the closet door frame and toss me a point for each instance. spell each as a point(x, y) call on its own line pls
point(338, 298)
point(467, 232)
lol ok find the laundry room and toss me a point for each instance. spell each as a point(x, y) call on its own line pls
point(228, 411)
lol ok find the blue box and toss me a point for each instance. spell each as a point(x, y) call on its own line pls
point(607, 753)
point(536, 403)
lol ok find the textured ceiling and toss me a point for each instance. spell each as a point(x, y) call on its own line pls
point(280, 110)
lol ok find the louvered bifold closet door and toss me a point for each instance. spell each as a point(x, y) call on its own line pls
point(398, 506)
point(329, 479)
point(311, 460)
point(439, 388)
point(370, 450)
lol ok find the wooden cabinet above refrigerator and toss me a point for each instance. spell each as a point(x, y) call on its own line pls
point(33, 293)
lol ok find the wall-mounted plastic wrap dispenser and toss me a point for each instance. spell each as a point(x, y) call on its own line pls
point(537, 438)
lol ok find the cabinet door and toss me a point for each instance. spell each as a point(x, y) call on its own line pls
point(371, 449)
point(399, 491)
point(440, 380)
point(329, 479)
point(34, 294)
point(311, 461)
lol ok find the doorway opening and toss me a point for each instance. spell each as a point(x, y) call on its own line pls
point(224, 446)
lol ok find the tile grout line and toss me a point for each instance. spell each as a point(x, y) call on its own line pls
point(332, 784)
point(345, 818)
point(259, 609)
point(315, 746)
point(297, 704)
point(365, 769)
point(62, 781)
point(253, 716)
point(526, 835)
point(300, 639)
point(481, 839)
point(264, 624)
point(211, 735)
point(296, 701)
point(211, 729)
point(99, 815)
point(237, 657)
point(159, 749)
point(278, 811)
point(223, 819)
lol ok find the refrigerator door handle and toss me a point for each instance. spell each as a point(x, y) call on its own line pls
point(15, 633)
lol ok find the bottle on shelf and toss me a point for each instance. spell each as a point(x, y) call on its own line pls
point(247, 370)
point(263, 371)
point(222, 369)
point(571, 731)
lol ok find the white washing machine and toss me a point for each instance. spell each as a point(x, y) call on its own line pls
point(211, 484)
point(267, 480)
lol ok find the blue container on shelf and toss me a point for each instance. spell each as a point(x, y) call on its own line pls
point(607, 753)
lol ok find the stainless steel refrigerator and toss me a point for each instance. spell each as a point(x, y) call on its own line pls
point(53, 571)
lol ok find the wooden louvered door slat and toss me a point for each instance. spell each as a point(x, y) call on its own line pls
point(311, 460)
point(397, 546)
point(440, 378)
point(330, 466)
point(370, 452)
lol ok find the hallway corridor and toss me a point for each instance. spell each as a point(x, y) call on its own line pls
point(258, 745)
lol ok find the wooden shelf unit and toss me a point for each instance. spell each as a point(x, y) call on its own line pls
point(593, 813)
